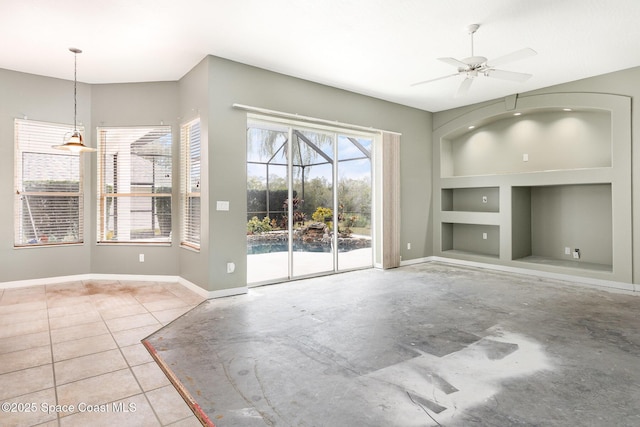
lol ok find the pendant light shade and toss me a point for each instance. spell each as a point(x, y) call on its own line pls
point(74, 143)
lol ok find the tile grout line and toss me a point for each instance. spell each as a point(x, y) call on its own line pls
point(31, 348)
point(53, 365)
point(144, 393)
point(81, 286)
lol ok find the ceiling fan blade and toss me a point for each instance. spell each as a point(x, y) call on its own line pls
point(453, 61)
point(434, 80)
point(464, 87)
point(508, 75)
point(512, 57)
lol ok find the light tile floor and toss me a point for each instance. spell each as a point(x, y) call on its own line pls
point(78, 345)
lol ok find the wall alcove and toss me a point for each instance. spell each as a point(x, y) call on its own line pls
point(525, 184)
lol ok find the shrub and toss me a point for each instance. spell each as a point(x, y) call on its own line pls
point(256, 226)
point(322, 214)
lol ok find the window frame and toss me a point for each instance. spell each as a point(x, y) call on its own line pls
point(39, 138)
point(190, 233)
point(129, 197)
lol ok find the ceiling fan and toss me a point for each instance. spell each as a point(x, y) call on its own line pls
point(474, 66)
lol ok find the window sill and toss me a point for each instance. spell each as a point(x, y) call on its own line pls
point(134, 243)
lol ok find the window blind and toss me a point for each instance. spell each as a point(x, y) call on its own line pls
point(134, 184)
point(190, 183)
point(48, 205)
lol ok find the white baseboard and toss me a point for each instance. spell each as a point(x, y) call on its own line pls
point(228, 292)
point(581, 280)
point(45, 281)
point(134, 277)
point(130, 277)
point(212, 294)
point(193, 287)
point(415, 261)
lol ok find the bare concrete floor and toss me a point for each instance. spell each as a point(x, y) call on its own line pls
point(423, 345)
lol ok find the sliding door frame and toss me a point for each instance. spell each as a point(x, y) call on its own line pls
point(376, 186)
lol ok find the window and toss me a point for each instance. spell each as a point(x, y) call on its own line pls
point(134, 184)
point(190, 184)
point(48, 194)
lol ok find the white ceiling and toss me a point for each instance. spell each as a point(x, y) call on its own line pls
point(373, 47)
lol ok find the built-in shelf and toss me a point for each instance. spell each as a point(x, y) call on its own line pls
point(527, 190)
point(484, 218)
point(478, 239)
point(475, 199)
point(457, 253)
point(548, 221)
point(566, 264)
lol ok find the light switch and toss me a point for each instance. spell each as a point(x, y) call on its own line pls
point(222, 205)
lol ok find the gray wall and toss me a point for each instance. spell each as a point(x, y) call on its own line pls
point(469, 238)
point(135, 104)
point(47, 100)
point(232, 82)
point(564, 216)
point(208, 91)
point(521, 222)
point(194, 103)
point(552, 141)
point(472, 199)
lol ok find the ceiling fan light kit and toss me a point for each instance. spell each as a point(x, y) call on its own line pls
point(474, 66)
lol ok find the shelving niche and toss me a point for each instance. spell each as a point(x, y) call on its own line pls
point(548, 219)
point(517, 190)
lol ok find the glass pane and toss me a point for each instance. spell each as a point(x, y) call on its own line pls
point(194, 159)
point(313, 203)
point(49, 219)
point(354, 203)
point(48, 186)
point(190, 167)
point(266, 146)
point(135, 162)
point(267, 191)
point(44, 172)
point(192, 230)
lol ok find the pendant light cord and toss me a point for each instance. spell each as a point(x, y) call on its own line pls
point(75, 90)
point(75, 51)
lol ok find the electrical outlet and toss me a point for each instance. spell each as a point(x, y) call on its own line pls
point(409, 246)
point(484, 236)
point(567, 250)
point(576, 253)
point(525, 157)
point(141, 257)
point(484, 199)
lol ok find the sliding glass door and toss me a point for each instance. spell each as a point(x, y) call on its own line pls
point(308, 201)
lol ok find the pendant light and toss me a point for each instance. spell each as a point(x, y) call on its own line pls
point(74, 143)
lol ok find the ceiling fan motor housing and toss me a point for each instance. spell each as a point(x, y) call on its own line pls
point(474, 61)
